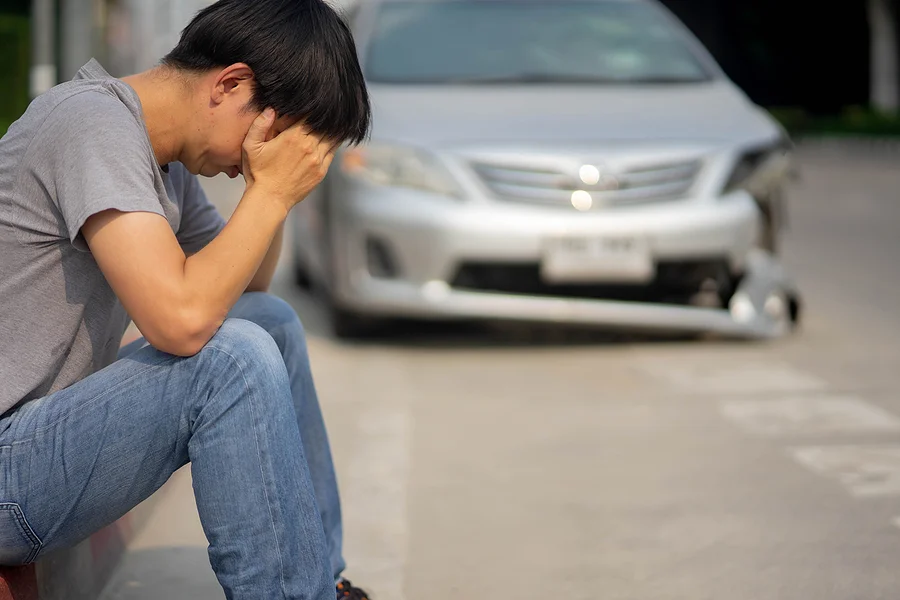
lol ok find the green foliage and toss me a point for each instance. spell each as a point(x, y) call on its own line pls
point(852, 121)
point(15, 55)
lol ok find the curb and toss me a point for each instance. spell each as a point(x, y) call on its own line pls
point(78, 573)
point(18, 583)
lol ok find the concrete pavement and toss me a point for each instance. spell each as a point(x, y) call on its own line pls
point(532, 465)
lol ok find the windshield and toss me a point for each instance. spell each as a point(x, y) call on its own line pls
point(478, 41)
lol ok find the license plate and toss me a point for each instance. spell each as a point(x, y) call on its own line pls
point(597, 259)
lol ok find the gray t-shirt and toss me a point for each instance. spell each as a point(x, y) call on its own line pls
point(79, 149)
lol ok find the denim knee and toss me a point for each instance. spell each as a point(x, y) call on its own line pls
point(239, 362)
point(266, 310)
point(249, 346)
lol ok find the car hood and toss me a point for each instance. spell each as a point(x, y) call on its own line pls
point(450, 116)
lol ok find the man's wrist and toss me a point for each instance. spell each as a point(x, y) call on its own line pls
point(268, 199)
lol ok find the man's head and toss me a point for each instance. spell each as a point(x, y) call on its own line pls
point(295, 56)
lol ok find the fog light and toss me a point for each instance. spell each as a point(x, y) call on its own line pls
point(742, 308)
point(380, 260)
point(436, 290)
point(776, 307)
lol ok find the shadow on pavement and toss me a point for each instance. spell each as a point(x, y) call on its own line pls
point(158, 573)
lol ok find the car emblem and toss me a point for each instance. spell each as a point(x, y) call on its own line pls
point(597, 179)
point(589, 174)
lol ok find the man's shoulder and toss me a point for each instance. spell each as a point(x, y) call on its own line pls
point(93, 106)
point(83, 121)
point(70, 112)
point(74, 112)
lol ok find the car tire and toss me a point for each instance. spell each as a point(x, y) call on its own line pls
point(301, 276)
point(349, 325)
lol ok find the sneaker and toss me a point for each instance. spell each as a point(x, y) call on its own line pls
point(347, 591)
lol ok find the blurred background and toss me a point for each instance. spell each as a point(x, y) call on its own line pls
point(818, 69)
point(607, 307)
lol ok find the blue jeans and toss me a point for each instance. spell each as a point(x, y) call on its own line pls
point(243, 412)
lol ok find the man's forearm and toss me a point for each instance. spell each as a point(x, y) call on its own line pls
point(263, 278)
point(216, 276)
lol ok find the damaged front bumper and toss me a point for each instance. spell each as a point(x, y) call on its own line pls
point(765, 304)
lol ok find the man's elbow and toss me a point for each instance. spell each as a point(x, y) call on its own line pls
point(257, 288)
point(184, 334)
point(259, 284)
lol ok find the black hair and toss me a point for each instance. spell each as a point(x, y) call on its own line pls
point(302, 54)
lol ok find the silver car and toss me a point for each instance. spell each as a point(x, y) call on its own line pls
point(579, 161)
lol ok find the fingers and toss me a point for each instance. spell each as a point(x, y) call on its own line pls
point(300, 129)
point(259, 130)
point(296, 140)
point(313, 144)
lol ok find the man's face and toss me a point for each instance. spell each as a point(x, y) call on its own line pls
point(227, 120)
point(226, 138)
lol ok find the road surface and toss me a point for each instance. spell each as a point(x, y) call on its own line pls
point(535, 464)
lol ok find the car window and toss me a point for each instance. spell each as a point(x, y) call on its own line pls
point(483, 41)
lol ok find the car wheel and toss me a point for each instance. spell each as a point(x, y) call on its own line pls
point(348, 325)
point(301, 276)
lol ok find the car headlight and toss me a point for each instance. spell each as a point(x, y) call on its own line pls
point(762, 170)
point(399, 166)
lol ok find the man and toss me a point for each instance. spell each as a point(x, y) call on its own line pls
point(101, 220)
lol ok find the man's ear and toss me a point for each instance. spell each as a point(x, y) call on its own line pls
point(231, 80)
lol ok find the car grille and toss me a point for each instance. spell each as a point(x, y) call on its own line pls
point(636, 185)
